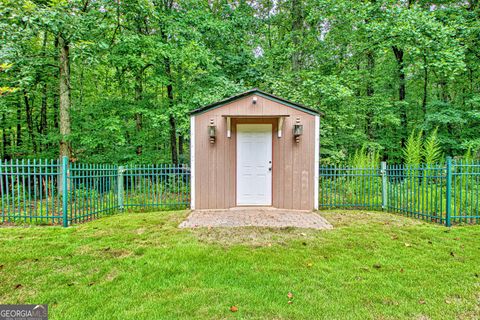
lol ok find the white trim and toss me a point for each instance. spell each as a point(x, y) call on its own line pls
point(192, 162)
point(317, 161)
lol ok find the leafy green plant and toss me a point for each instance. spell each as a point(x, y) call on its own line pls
point(432, 152)
point(412, 153)
point(363, 158)
point(469, 155)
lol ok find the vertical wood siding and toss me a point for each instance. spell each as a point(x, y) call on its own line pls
point(293, 164)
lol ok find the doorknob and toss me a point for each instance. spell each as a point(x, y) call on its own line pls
point(269, 168)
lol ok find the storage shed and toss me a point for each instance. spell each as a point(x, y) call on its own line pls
point(254, 149)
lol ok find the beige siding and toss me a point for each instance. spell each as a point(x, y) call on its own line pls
point(293, 163)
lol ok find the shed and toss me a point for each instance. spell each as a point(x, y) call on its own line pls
point(254, 149)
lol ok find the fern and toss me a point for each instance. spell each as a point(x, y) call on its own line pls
point(412, 153)
point(375, 157)
point(468, 157)
point(432, 152)
point(362, 158)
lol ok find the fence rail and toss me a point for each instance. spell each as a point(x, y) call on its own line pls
point(29, 191)
point(347, 187)
point(443, 193)
point(59, 192)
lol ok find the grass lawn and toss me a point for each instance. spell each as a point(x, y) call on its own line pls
point(140, 266)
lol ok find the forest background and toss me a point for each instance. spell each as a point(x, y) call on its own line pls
point(113, 81)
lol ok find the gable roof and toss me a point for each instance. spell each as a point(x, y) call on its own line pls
point(260, 93)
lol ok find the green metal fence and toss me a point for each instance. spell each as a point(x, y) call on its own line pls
point(163, 186)
point(465, 199)
point(59, 192)
point(348, 187)
point(29, 191)
point(417, 191)
point(91, 191)
point(443, 193)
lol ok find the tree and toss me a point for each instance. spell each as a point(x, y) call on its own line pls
point(114, 81)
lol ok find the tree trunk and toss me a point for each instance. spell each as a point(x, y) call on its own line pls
point(28, 113)
point(167, 7)
point(171, 119)
point(401, 93)
point(173, 140)
point(64, 79)
point(180, 146)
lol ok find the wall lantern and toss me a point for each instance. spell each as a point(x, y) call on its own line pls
point(212, 131)
point(254, 100)
point(297, 130)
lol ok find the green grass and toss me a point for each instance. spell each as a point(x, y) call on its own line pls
point(141, 266)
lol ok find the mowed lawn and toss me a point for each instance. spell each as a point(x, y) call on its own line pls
point(141, 266)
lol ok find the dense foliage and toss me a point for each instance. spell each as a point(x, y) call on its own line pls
point(113, 81)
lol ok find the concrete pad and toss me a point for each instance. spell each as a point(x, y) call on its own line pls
point(255, 217)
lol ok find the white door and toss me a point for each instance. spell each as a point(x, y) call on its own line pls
point(254, 164)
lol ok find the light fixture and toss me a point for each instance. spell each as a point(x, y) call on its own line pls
point(297, 130)
point(212, 131)
point(254, 100)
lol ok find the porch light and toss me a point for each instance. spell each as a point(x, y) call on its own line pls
point(212, 130)
point(297, 130)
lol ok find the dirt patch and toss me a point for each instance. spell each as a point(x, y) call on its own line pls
point(140, 231)
point(346, 218)
point(253, 236)
point(104, 252)
point(422, 317)
point(115, 253)
point(111, 275)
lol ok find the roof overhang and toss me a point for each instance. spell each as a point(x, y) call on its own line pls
point(260, 93)
point(240, 116)
point(280, 118)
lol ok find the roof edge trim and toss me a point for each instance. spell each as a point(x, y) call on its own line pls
point(263, 94)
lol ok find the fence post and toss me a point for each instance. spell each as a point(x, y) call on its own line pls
point(383, 172)
point(120, 191)
point(65, 191)
point(448, 210)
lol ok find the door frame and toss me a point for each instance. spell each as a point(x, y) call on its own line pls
point(254, 121)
